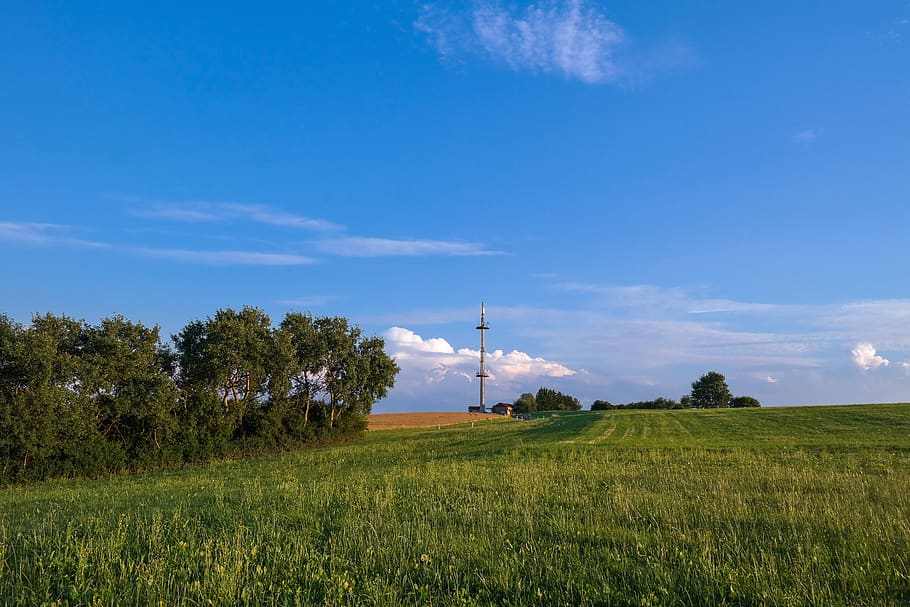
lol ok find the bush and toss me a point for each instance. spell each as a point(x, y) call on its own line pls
point(744, 401)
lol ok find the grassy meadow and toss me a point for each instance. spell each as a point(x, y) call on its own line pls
point(795, 506)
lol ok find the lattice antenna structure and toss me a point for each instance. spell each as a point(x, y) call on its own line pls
point(483, 327)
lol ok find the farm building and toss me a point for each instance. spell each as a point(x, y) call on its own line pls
point(502, 408)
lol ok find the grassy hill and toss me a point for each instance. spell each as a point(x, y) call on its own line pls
point(797, 506)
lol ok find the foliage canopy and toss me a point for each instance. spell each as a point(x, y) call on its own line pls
point(80, 399)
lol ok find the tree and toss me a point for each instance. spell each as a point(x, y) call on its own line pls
point(553, 400)
point(47, 424)
point(124, 373)
point(602, 405)
point(355, 371)
point(526, 403)
point(307, 353)
point(710, 391)
point(744, 401)
point(228, 355)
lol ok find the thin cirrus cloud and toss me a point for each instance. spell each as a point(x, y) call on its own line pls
point(225, 258)
point(44, 234)
point(210, 212)
point(568, 38)
point(387, 247)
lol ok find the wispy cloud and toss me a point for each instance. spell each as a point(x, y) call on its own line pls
point(243, 258)
point(806, 136)
point(311, 301)
point(43, 234)
point(565, 37)
point(206, 212)
point(675, 299)
point(386, 247)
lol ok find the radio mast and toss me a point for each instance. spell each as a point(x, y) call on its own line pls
point(483, 327)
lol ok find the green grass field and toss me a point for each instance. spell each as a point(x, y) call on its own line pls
point(796, 506)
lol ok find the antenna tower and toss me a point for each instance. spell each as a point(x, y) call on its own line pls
point(483, 327)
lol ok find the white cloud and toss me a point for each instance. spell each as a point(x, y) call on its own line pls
point(407, 340)
point(518, 365)
point(384, 247)
point(783, 354)
point(805, 137)
point(427, 363)
point(43, 234)
point(864, 355)
point(666, 298)
point(242, 258)
point(208, 212)
point(265, 215)
point(566, 37)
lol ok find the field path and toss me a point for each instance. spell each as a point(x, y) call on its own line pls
point(393, 421)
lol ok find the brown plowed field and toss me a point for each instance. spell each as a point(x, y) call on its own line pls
point(391, 421)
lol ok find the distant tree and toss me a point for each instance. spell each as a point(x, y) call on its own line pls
point(744, 401)
point(659, 403)
point(685, 402)
point(553, 400)
point(602, 405)
point(526, 403)
point(710, 391)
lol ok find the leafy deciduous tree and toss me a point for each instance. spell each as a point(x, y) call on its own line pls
point(526, 403)
point(710, 391)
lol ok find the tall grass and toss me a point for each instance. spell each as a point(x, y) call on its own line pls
point(807, 506)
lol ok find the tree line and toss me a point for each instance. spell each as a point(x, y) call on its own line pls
point(81, 399)
point(710, 391)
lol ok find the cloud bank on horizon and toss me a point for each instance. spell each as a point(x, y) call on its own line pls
point(644, 341)
point(432, 369)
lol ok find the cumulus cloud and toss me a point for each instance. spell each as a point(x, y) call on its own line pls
point(426, 363)
point(409, 341)
point(563, 37)
point(864, 356)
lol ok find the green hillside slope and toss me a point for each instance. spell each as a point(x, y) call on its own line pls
point(802, 506)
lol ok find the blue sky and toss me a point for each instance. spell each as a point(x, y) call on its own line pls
point(640, 192)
